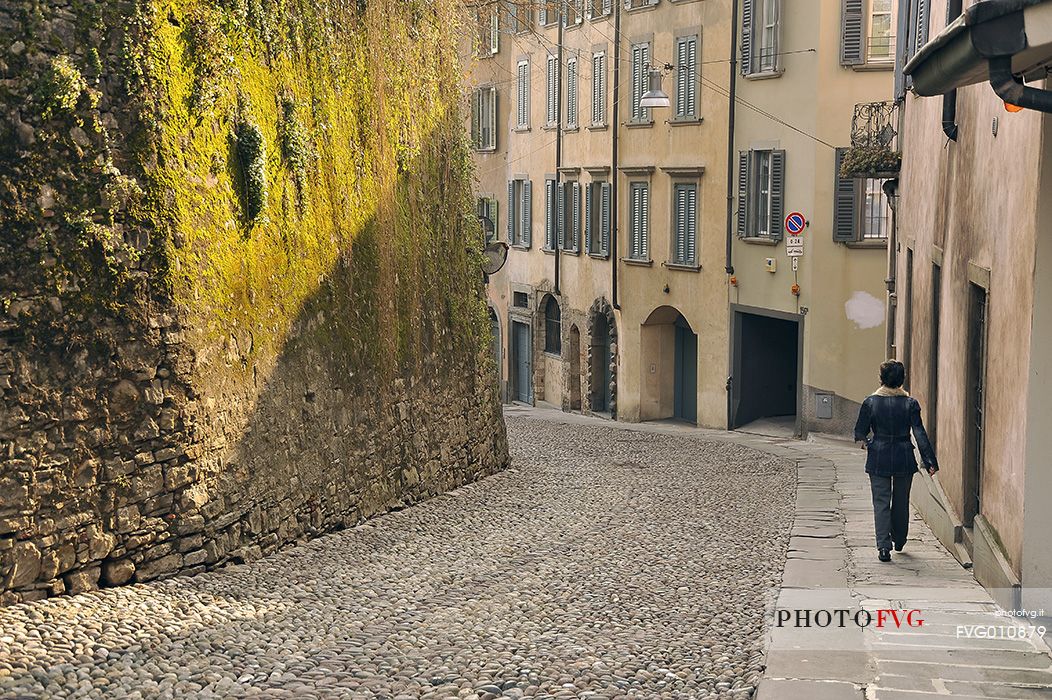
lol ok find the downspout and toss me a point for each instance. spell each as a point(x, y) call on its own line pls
point(558, 142)
point(1014, 92)
point(949, 100)
point(731, 104)
point(615, 127)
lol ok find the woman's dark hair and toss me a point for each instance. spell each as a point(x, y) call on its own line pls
point(892, 374)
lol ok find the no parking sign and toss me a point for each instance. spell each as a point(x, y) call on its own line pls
point(795, 223)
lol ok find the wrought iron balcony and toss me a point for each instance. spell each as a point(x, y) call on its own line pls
point(874, 142)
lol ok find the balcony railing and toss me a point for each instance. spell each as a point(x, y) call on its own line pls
point(874, 142)
point(880, 49)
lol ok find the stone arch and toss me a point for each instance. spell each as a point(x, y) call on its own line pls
point(668, 381)
point(602, 358)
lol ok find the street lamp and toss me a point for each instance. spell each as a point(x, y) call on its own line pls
point(656, 97)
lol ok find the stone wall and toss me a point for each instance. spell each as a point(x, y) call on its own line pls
point(187, 381)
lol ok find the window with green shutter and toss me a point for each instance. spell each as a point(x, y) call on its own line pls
point(639, 221)
point(552, 111)
point(685, 224)
point(845, 203)
point(851, 25)
point(640, 82)
point(522, 114)
point(599, 89)
point(760, 36)
point(551, 214)
point(761, 194)
point(571, 94)
point(687, 77)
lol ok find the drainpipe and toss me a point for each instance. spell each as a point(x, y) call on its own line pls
point(732, 86)
point(949, 100)
point(615, 127)
point(1013, 91)
point(558, 141)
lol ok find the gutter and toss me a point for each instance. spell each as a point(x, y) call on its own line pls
point(1012, 91)
point(614, 175)
point(728, 267)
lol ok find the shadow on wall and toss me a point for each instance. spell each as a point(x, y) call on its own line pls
point(139, 442)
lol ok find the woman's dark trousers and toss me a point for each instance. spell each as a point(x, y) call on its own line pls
point(891, 508)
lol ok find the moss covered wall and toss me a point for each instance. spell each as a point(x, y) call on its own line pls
point(237, 300)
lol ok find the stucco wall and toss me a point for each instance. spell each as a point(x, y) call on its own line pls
point(976, 199)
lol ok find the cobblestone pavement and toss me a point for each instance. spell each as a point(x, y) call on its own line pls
point(607, 563)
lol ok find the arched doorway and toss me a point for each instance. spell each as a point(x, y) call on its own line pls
point(575, 369)
point(602, 359)
point(669, 354)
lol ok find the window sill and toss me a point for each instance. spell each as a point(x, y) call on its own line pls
point(644, 8)
point(765, 75)
point(519, 246)
point(685, 267)
point(571, 130)
point(639, 125)
point(760, 240)
point(599, 256)
point(521, 130)
point(874, 66)
point(549, 127)
point(597, 127)
point(575, 25)
point(600, 18)
point(881, 243)
point(486, 150)
point(548, 251)
point(553, 355)
point(638, 262)
point(571, 251)
point(685, 122)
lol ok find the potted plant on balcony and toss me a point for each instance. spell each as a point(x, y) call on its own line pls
point(870, 161)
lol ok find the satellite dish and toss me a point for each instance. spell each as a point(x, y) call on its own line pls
point(493, 257)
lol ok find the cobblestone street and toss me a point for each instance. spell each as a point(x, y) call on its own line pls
point(608, 562)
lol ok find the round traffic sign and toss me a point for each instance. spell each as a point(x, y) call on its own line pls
point(794, 223)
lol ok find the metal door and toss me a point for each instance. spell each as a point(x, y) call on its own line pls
point(685, 402)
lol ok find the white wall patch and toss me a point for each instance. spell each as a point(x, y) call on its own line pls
point(865, 310)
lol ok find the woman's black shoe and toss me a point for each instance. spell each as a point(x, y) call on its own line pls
point(899, 546)
point(884, 555)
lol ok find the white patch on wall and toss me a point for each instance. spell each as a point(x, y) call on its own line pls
point(865, 310)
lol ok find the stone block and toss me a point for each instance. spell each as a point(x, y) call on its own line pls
point(117, 572)
point(158, 567)
point(196, 557)
point(25, 562)
point(127, 519)
point(83, 580)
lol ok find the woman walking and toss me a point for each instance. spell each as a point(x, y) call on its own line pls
point(890, 414)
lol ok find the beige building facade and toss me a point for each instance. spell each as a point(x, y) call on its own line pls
point(613, 297)
point(973, 282)
point(806, 341)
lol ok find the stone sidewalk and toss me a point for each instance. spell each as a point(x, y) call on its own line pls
point(832, 565)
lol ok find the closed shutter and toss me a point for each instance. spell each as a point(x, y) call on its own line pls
point(640, 63)
point(494, 31)
point(576, 242)
point(644, 223)
point(608, 7)
point(902, 48)
point(747, 18)
point(845, 203)
point(679, 230)
point(475, 103)
point(636, 232)
point(851, 18)
point(511, 213)
point(549, 214)
point(527, 214)
point(604, 219)
point(491, 119)
point(590, 233)
point(524, 95)
point(686, 77)
point(743, 193)
point(692, 224)
point(571, 93)
point(560, 216)
point(553, 90)
point(777, 194)
point(544, 13)
point(923, 20)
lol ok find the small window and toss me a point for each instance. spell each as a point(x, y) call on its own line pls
point(685, 224)
point(553, 340)
point(551, 213)
point(552, 111)
point(484, 119)
point(636, 4)
point(761, 187)
point(487, 212)
point(520, 299)
point(597, 218)
point(881, 44)
point(571, 94)
point(759, 41)
point(488, 28)
point(640, 81)
point(639, 221)
point(569, 205)
point(597, 9)
point(522, 114)
point(861, 211)
point(687, 77)
point(522, 17)
point(876, 213)
point(520, 212)
point(573, 12)
point(599, 89)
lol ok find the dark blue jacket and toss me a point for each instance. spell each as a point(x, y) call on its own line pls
point(890, 419)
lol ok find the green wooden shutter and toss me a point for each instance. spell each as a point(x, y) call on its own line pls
point(511, 213)
point(604, 219)
point(549, 214)
point(494, 36)
point(576, 216)
point(851, 33)
point(589, 213)
point(777, 194)
point(692, 224)
point(845, 204)
point(644, 222)
point(923, 20)
point(571, 94)
point(560, 217)
point(744, 161)
point(747, 18)
point(527, 213)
